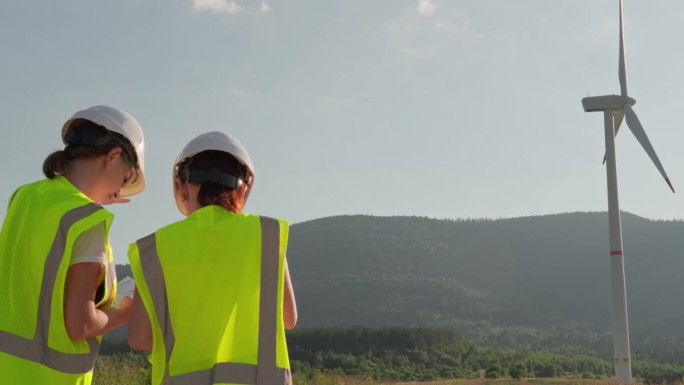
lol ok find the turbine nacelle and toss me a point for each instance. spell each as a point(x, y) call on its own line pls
point(606, 102)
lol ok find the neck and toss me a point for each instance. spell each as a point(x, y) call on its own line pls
point(84, 175)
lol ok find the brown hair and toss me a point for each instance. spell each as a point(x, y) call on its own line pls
point(58, 162)
point(215, 193)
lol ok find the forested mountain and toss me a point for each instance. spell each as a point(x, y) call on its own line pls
point(543, 272)
point(544, 277)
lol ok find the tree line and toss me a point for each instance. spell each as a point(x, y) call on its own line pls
point(423, 354)
point(413, 354)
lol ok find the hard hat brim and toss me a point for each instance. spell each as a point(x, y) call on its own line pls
point(136, 187)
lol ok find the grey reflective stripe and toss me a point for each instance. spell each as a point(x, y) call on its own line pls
point(154, 276)
point(37, 349)
point(266, 372)
point(222, 372)
point(268, 300)
point(231, 373)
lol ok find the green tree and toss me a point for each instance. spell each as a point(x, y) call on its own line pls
point(518, 370)
point(495, 371)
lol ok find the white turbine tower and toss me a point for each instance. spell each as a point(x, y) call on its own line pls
point(615, 108)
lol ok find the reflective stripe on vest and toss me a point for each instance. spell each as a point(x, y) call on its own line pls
point(265, 372)
point(37, 349)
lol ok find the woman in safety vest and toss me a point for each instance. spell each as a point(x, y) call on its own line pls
point(213, 293)
point(57, 277)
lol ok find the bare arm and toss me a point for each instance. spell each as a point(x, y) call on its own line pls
point(289, 304)
point(139, 327)
point(81, 318)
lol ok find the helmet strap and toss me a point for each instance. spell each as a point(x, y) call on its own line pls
point(214, 175)
point(87, 138)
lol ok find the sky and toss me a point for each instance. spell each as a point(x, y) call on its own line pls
point(443, 109)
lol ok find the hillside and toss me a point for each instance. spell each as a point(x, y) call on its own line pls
point(541, 272)
point(530, 275)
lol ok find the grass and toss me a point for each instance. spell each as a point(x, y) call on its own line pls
point(508, 381)
point(320, 378)
point(133, 369)
point(122, 369)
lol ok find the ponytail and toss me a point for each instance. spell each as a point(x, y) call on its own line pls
point(55, 164)
point(216, 194)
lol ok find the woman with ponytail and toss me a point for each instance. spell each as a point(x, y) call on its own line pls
point(57, 277)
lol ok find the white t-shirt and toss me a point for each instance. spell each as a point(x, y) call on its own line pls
point(90, 246)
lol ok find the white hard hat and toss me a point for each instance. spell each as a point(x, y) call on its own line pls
point(123, 123)
point(217, 141)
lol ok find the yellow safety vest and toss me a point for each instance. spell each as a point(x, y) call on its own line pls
point(43, 221)
point(212, 285)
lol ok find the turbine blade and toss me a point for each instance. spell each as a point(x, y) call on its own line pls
point(622, 70)
point(617, 118)
point(638, 131)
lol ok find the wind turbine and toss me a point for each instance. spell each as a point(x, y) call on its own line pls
point(615, 108)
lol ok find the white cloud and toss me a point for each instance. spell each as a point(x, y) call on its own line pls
point(447, 21)
point(409, 52)
point(426, 7)
point(265, 8)
point(217, 6)
point(423, 38)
